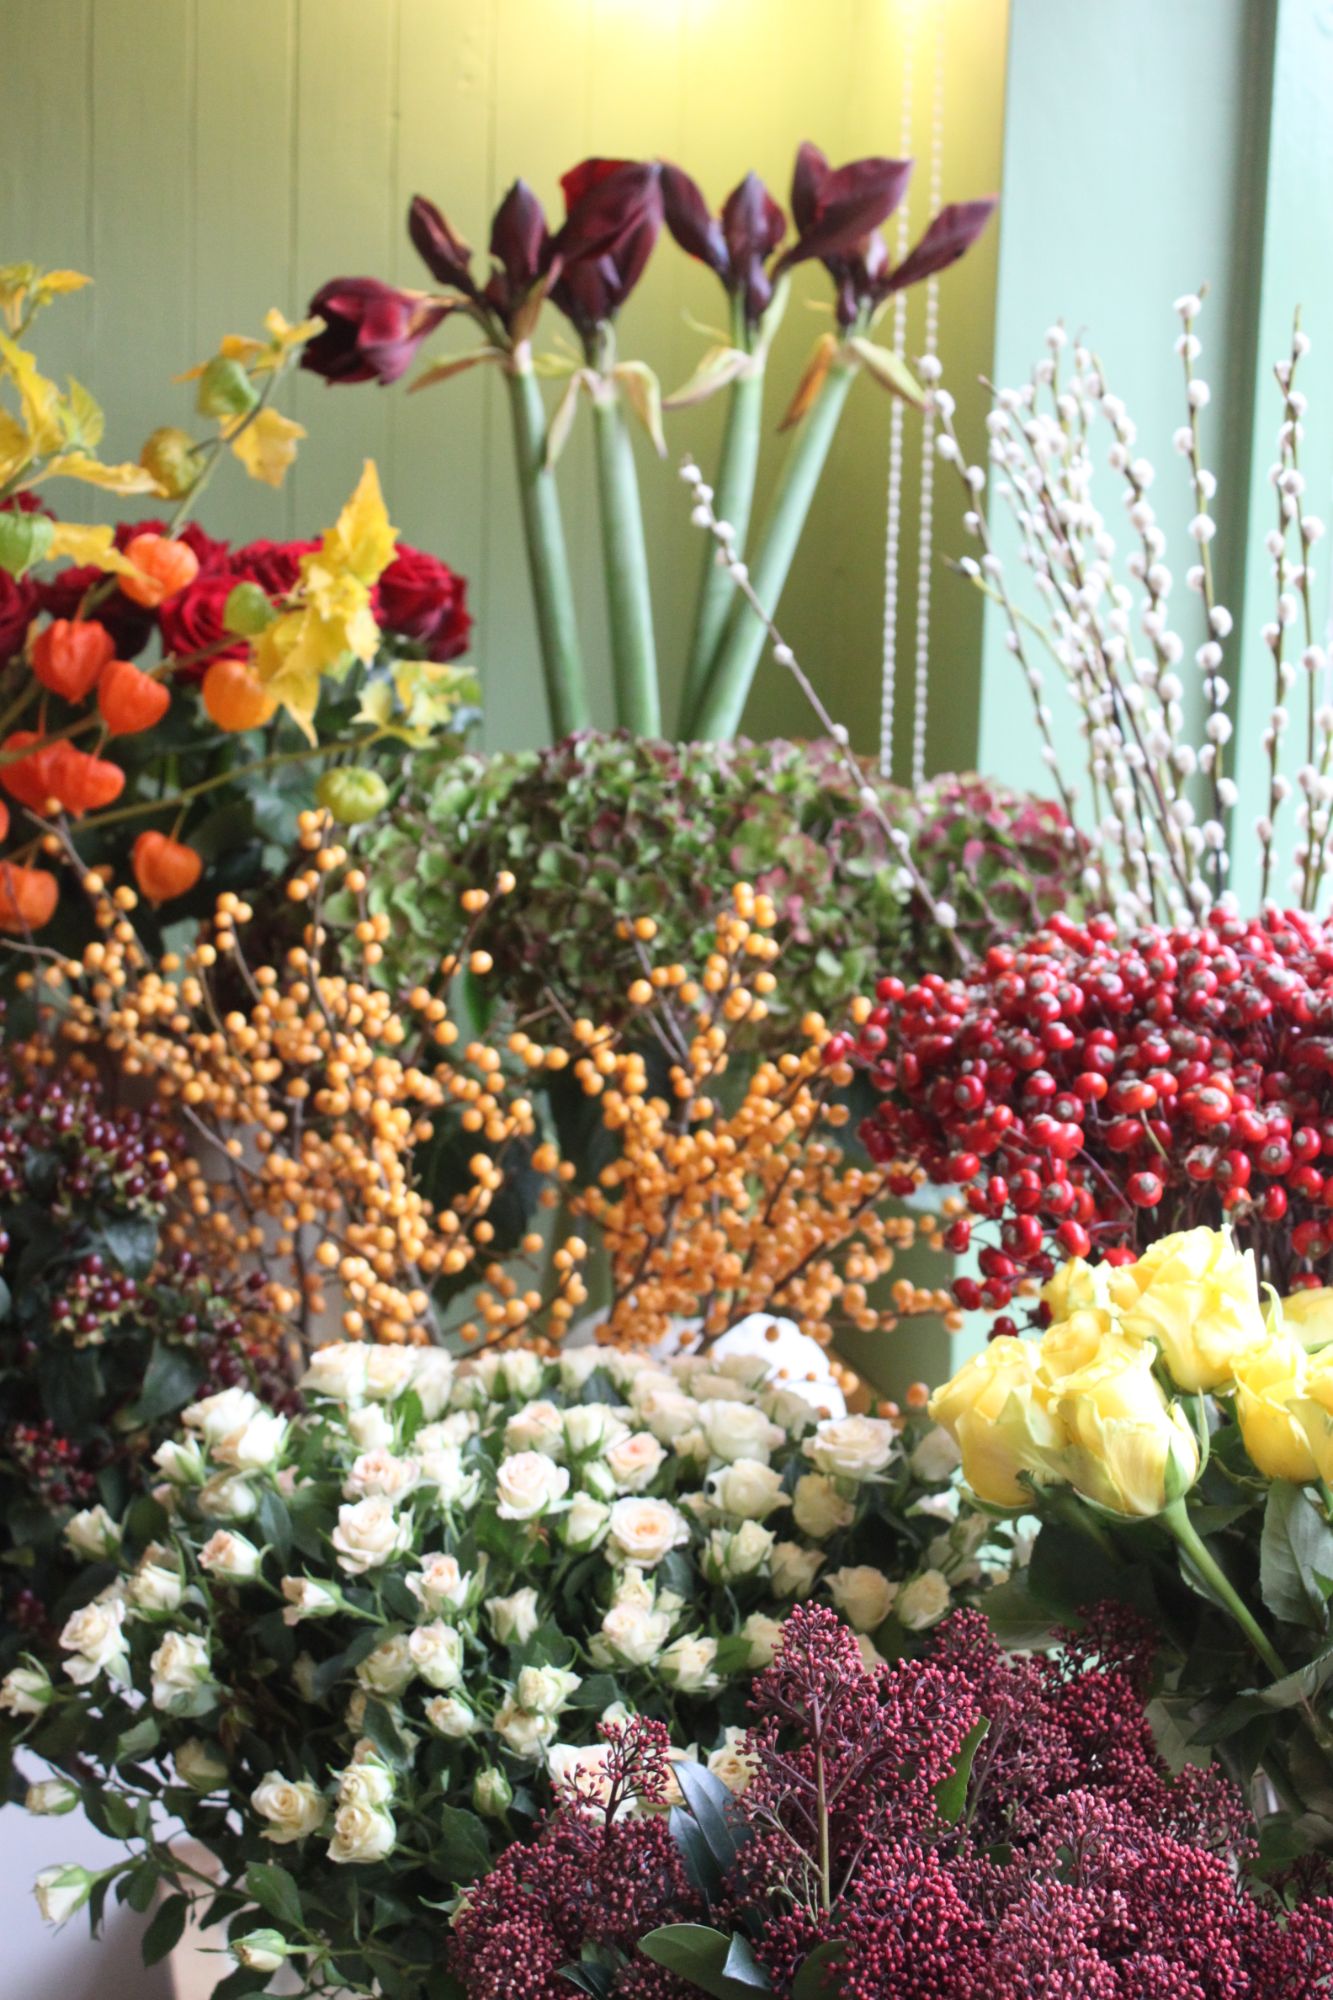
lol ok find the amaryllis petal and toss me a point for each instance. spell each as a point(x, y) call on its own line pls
point(848, 205)
point(954, 231)
point(752, 222)
point(808, 177)
point(690, 221)
point(607, 201)
point(443, 252)
point(372, 331)
point(519, 240)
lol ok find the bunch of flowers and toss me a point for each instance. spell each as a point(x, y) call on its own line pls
point(1177, 1444)
point(588, 267)
point(788, 818)
point(942, 1829)
point(1087, 1089)
point(106, 1330)
point(90, 739)
point(349, 1651)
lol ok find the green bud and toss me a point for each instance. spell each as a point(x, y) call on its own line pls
point(247, 610)
point(260, 1951)
point(24, 540)
point(225, 390)
point(492, 1793)
point(352, 794)
point(60, 1892)
point(51, 1796)
point(169, 455)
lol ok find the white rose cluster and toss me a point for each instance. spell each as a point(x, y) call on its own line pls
point(430, 1586)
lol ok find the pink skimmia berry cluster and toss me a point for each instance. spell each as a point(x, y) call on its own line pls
point(1090, 1092)
point(1072, 1865)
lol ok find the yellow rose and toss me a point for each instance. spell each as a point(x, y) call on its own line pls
point(1309, 1315)
point(1270, 1389)
point(1197, 1296)
point(997, 1410)
point(1131, 1451)
point(1071, 1344)
point(1314, 1411)
point(1076, 1287)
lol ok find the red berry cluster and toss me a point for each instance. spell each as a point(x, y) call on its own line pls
point(92, 1300)
point(55, 1468)
point(1090, 1093)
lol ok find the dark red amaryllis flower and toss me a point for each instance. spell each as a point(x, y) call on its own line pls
point(838, 212)
point(371, 331)
point(612, 221)
point(736, 244)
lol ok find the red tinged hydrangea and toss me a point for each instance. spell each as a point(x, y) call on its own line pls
point(1073, 1866)
point(1090, 1093)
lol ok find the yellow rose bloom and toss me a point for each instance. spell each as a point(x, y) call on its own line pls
point(1270, 1390)
point(1197, 1296)
point(998, 1411)
point(1130, 1449)
point(1076, 1287)
point(1073, 1343)
point(1314, 1411)
point(1309, 1316)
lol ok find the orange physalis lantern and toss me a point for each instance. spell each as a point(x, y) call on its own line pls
point(166, 566)
point(129, 699)
point(163, 867)
point(27, 897)
point(83, 783)
point(29, 778)
point(236, 698)
point(70, 654)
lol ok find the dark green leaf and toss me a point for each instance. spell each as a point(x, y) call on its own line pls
point(1296, 1542)
point(140, 1886)
point(275, 1523)
point(714, 1811)
point(812, 1981)
point(329, 1672)
point(128, 1240)
point(275, 1891)
point(700, 1866)
point(464, 1849)
point(704, 1957)
point(169, 1382)
point(951, 1792)
point(166, 1929)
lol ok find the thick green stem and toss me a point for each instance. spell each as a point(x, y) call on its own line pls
point(733, 670)
point(733, 498)
point(1176, 1518)
point(629, 598)
point(548, 564)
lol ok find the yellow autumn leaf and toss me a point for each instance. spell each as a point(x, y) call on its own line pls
point(15, 447)
point(52, 284)
point(39, 399)
point(15, 284)
point(362, 539)
point(127, 478)
point(284, 336)
point(94, 547)
point(267, 446)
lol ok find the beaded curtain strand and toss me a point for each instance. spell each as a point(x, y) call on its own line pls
point(897, 417)
point(930, 373)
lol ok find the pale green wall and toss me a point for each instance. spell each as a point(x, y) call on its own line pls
point(208, 158)
point(1153, 147)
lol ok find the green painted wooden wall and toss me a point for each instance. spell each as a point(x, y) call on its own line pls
point(205, 159)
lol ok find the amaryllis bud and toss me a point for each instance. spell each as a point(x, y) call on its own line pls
point(444, 253)
point(371, 331)
point(835, 209)
point(691, 222)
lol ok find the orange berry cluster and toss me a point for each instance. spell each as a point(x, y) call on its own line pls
point(726, 1201)
point(304, 1094)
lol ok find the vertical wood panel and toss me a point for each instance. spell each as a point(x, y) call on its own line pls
point(344, 223)
point(441, 442)
point(243, 212)
point(46, 161)
point(144, 248)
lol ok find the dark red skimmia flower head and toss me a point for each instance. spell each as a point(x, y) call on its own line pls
point(613, 217)
point(371, 331)
point(838, 212)
point(737, 244)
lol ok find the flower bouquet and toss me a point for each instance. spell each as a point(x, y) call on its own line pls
point(587, 269)
point(1176, 1443)
point(947, 1828)
point(347, 1651)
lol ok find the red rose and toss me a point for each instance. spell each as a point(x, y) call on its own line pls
point(274, 566)
point(18, 608)
point(423, 600)
point(191, 622)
